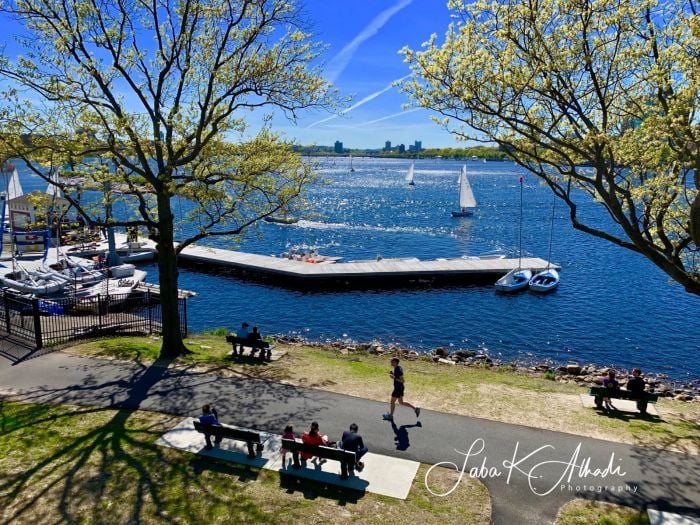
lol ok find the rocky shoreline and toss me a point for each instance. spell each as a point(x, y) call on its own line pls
point(573, 373)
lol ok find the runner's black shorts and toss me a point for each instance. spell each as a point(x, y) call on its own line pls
point(398, 391)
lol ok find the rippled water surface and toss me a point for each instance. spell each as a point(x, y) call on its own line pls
point(612, 307)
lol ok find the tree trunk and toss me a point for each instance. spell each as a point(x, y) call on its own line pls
point(695, 211)
point(173, 345)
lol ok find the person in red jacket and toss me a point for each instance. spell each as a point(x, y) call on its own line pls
point(313, 437)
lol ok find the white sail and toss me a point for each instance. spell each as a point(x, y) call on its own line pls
point(14, 188)
point(409, 175)
point(52, 190)
point(466, 197)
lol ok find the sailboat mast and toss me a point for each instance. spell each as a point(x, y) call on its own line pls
point(551, 230)
point(520, 242)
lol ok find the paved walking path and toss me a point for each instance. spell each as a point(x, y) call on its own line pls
point(530, 472)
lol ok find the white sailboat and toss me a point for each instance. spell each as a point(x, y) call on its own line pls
point(548, 279)
point(518, 278)
point(467, 202)
point(12, 191)
point(351, 168)
point(409, 176)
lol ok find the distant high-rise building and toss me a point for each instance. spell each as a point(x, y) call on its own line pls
point(402, 148)
point(387, 145)
point(338, 148)
point(418, 145)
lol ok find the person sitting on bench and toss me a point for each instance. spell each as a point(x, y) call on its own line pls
point(352, 441)
point(635, 387)
point(612, 386)
point(256, 342)
point(242, 333)
point(210, 417)
point(313, 437)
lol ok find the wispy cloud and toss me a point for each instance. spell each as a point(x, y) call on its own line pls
point(393, 115)
point(340, 61)
point(360, 103)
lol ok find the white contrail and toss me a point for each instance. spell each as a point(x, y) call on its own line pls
point(340, 61)
point(360, 103)
point(389, 116)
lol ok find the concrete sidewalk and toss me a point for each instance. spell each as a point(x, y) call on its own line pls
point(529, 472)
point(382, 474)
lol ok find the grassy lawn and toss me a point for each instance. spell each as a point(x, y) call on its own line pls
point(66, 464)
point(584, 512)
point(491, 393)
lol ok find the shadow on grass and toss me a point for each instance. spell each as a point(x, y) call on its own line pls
point(244, 473)
point(626, 416)
point(81, 471)
point(314, 489)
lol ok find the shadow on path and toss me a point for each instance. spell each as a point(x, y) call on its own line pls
point(401, 435)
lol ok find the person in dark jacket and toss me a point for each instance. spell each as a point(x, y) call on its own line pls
point(635, 387)
point(352, 441)
point(209, 417)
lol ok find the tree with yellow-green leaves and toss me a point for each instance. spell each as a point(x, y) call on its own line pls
point(598, 98)
point(149, 100)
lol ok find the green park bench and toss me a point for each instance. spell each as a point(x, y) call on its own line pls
point(221, 431)
point(345, 457)
point(599, 392)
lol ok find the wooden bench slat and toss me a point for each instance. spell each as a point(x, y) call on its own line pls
point(226, 431)
point(336, 454)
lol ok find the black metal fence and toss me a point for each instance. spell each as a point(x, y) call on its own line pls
point(45, 322)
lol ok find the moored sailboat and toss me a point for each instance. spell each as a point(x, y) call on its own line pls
point(545, 281)
point(518, 278)
point(548, 279)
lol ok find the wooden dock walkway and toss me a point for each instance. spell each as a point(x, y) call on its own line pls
point(407, 270)
point(385, 271)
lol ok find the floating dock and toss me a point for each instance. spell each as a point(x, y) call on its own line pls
point(384, 271)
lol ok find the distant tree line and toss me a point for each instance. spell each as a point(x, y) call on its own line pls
point(483, 152)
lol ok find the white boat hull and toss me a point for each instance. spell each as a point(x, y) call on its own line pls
point(514, 281)
point(46, 285)
point(545, 281)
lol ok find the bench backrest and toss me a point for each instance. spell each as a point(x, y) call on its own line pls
point(336, 454)
point(602, 391)
point(247, 342)
point(229, 432)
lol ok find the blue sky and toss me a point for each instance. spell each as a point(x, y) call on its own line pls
point(362, 61)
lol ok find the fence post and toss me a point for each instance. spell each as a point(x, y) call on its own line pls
point(37, 323)
point(8, 325)
point(150, 314)
point(184, 314)
point(99, 311)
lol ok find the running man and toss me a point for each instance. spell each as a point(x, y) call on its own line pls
point(397, 394)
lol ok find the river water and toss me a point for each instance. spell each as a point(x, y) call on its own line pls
point(613, 307)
